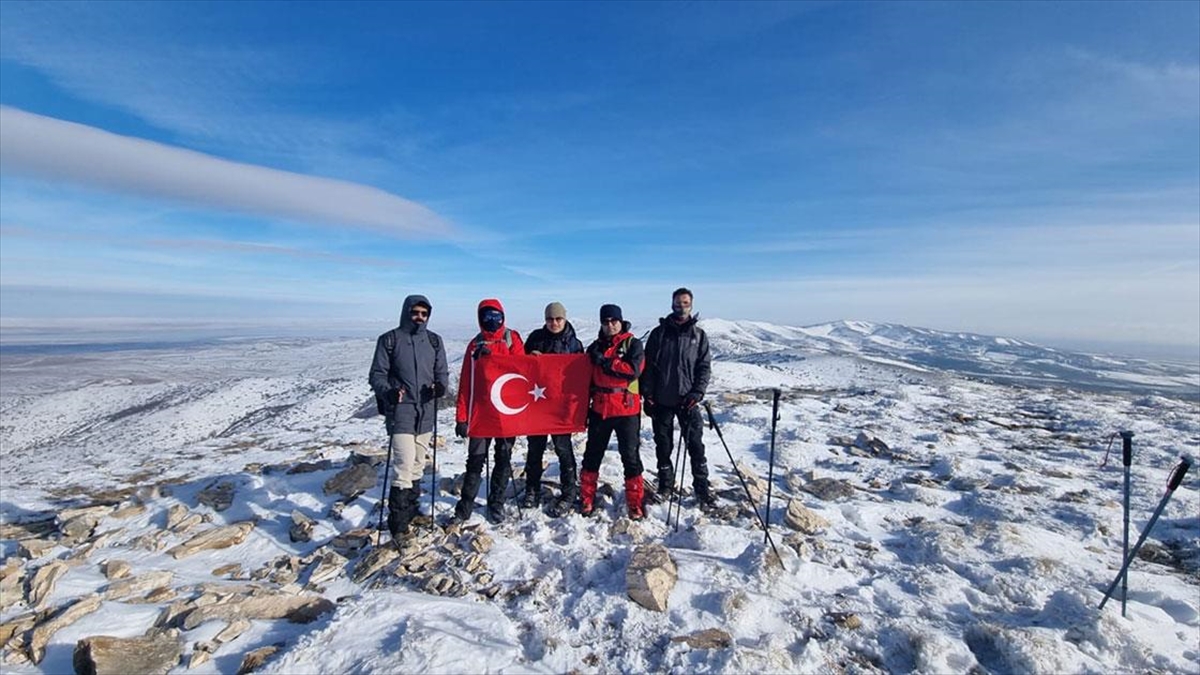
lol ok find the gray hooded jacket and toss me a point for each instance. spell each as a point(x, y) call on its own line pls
point(409, 360)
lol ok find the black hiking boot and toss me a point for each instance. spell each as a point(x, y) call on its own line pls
point(531, 499)
point(495, 513)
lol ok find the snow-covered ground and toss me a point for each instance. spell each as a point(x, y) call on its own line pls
point(976, 535)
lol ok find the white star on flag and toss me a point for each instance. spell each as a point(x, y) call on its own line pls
point(538, 392)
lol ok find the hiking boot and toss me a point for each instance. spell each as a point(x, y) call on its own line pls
point(560, 507)
point(531, 499)
point(495, 513)
point(463, 510)
point(634, 493)
point(705, 499)
point(399, 513)
point(587, 491)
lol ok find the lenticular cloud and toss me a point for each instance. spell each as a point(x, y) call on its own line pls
point(59, 150)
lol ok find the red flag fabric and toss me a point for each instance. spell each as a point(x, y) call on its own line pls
point(529, 395)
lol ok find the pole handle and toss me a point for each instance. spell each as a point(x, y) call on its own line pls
point(712, 421)
point(775, 393)
point(1177, 474)
point(1127, 447)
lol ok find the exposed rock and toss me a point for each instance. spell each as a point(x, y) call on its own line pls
point(42, 584)
point(302, 527)
point(368, 455)
point(349, 543)
point(151, 541)
point(756, 485)
point(40, 636)
point(35, 548)
point(480, 543)
point(218, 496)
point(352, 481)
point(443, 584)
point(159, 595)
point(326, 568)
point(255, 659)
point(12, 577)
point(115, 569)
point(128, 511)
point(294, 608)
point(80, 527)
point(175, 515)
point(845, 620)
point(799, 517)
point(232, 570)
point(309, 467)
point(124, 588)
point(372, 562)
point(105, 655)
point(18, 626)
point(829, 489)
point(709, 638)
point(218, 537)
point(29, 529)
point(650, 576)
point(99, 511)
point(232, 632)
point(201, 653)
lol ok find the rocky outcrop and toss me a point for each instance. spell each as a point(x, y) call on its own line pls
point(800, 518)
point(650, 576)
point(40, 636)
point(294, 608)
point(106, 655)
point(218, 537)
point(351, 481)
point(709, 638)
point(43, 582)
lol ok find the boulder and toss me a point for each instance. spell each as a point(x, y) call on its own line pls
point(294, 608)
point(42, 584)
point(800, 518)
point(218, 496)
point(255, 659)
point(139, 585)
point(302, 527)
point(115, 569)
point(709, 638)
point(40, 636)
point(352, 481)
point(650, 576)
point(105, 655)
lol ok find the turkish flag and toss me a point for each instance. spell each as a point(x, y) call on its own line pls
point(529, 395)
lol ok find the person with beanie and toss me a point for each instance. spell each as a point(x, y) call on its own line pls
point(678, 368)
point(556, 337)
point(617, 358)
point(407, 374)
point(493, 338)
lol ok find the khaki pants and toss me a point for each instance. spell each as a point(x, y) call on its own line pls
point(409, 454)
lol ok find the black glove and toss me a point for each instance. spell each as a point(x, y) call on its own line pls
point(648, 404)
point(597, 357)
point(691, 400)
point(393, 395)
point(435, 390)
point(460, 429)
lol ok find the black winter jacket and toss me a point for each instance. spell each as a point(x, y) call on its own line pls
point(677, 363)
point(565, 342)
point(408, 360)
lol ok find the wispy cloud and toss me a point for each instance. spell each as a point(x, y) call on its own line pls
point(59, 150)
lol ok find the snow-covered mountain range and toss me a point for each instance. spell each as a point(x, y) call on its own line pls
point(958, 515)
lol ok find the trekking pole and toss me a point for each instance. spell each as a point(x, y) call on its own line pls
point(771, 465)
point(433, 479)
point(383, 497)
point(1172, 483)
point(675, 492)
point(682, 473)
point(1127, 458)
point(712, 423)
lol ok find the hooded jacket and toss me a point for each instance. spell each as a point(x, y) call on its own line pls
point(678, 362)
point(408, 360)
point(563, 342)
point(484, 344)
point(615, 380)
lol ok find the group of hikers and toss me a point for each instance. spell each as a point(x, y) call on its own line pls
point(671, 372)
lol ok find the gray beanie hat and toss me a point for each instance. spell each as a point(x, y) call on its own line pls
point(555, 310)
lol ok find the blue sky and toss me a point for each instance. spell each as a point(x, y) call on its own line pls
point(1017, 168)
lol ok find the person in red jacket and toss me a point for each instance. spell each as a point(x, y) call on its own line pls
point(493, 338)
point(617, 359)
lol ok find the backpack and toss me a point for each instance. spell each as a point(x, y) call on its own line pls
point(382, 405)
point(480, 343)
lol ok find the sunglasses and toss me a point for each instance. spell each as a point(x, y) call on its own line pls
point(612, 321)
point(556, 318)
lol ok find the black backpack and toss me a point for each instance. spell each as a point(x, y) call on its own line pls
point(382, 405)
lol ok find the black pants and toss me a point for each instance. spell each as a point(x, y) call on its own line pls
point(628, 442)
point(662, 422)
point(537, 450)
point(477, 455)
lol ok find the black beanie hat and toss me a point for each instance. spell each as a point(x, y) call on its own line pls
point(610, 312)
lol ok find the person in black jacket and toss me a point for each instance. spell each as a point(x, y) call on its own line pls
point(557, 337)
point(407, 374)
point(678, 368)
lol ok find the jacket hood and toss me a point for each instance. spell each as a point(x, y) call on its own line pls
point(406, 321)
point(490, 303)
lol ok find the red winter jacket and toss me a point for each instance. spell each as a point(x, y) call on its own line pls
point(483, 345)
point(622, 358)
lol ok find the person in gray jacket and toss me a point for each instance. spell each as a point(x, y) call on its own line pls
point(678, 368)
point(407, 374)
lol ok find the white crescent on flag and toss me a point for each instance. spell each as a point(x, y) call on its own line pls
point(498, 400)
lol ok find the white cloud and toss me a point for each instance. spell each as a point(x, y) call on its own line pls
point(59, 150)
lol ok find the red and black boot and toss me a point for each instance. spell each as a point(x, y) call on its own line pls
point(634, 497)
point(587, 491)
